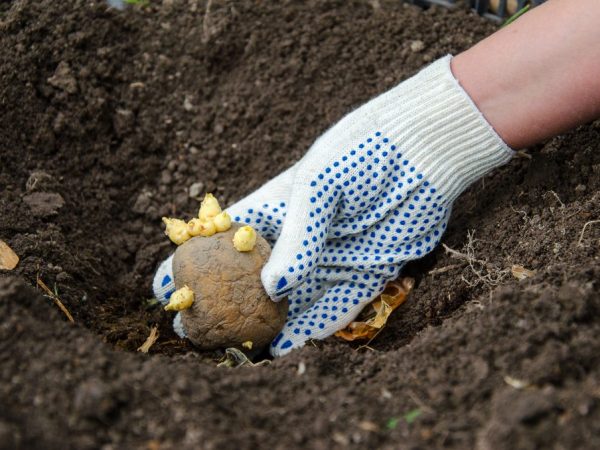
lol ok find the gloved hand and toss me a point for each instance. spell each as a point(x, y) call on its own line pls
point(269, 202)
point(372, 193)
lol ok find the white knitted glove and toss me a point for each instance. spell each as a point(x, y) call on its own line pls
point(373, 192)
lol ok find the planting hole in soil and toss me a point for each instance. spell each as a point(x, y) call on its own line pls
point(112, 119)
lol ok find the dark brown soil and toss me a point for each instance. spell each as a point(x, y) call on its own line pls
point(108, 117)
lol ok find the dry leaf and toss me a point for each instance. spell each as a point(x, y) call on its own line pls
point(150, 340)
point(520, 272)
point(8, 258)
point(375, 315)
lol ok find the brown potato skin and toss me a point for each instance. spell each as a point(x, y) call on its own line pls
point(230, 304)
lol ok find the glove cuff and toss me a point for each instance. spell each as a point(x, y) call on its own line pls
point(439, 129)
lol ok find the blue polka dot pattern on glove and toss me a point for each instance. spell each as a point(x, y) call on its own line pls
point(369, 210)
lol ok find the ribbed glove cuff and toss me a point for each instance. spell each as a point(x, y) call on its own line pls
point(439, 129)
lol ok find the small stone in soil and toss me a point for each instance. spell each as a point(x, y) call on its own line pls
point(196, 189)
point(417, 46)
point(63, 79)
point(44, 204)
point(142, 202)
point(187, 104)
point(39, 181)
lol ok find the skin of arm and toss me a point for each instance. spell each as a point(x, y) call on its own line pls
point(540, 75)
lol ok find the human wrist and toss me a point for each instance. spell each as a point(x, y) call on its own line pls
point(531, 85)
point(499, 100)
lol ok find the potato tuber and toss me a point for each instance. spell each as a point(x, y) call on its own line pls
point(219, 291)
point(230, 306)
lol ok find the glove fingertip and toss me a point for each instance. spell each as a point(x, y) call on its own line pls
point(282, 345)
point(277, 285)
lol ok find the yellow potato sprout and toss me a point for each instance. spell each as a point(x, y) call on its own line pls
point(222, 222)
point(198, 227)
point(180, 299)
point(209, 208)
point(177, 230)
point(244, 239)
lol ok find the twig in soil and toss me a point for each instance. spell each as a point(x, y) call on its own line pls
point(55, 298)
point(206, 31)
point(367, 425)
point(562, 209)
point(516, 383)
point(172, 342)
point(591, 222)
point(467, 282)
point(520, 211)
point(468, 257)
point(562, 205)
point(523, 154)
point(573, 214)
point(527, 220)
point(444, 269)
point(486, 273)
point(366, 345)
point(150, 340)
point(420, 403)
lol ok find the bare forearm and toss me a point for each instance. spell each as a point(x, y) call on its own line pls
point(540, 75)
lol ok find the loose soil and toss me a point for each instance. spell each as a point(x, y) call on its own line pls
point(109, 117)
